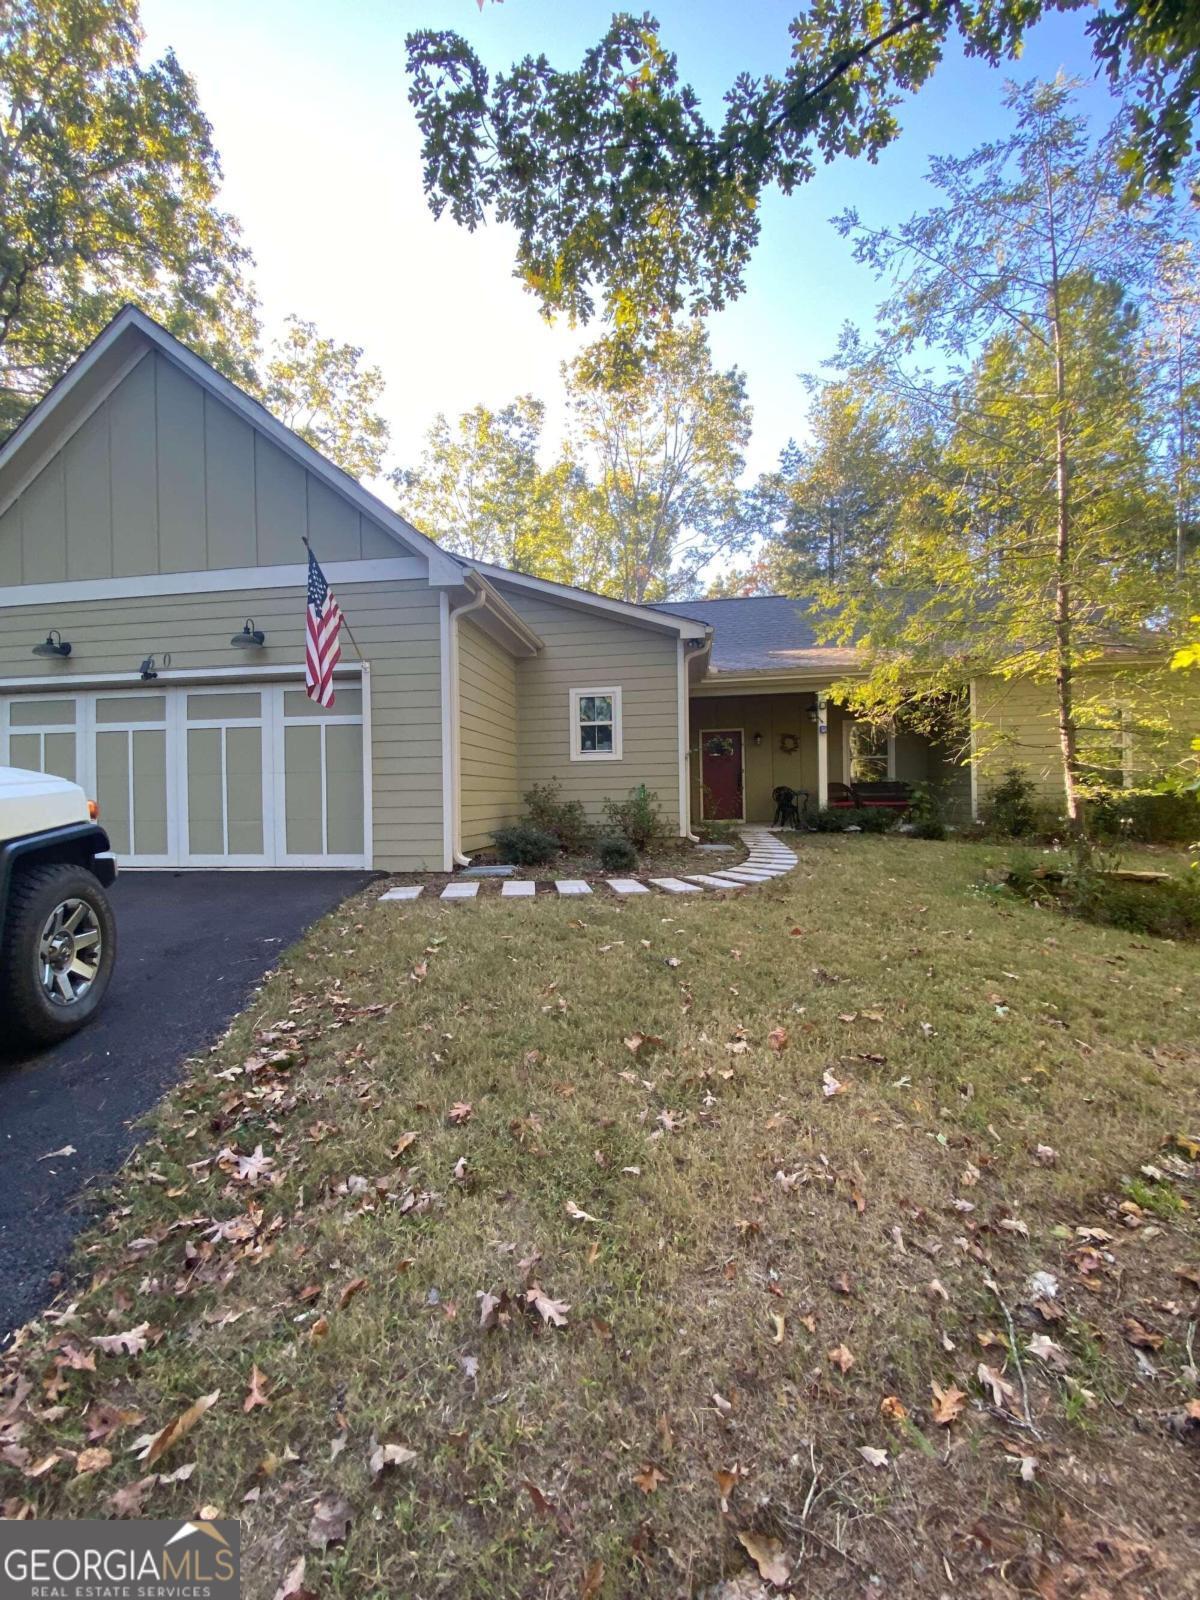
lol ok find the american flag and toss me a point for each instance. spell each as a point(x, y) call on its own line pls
point(323, 623)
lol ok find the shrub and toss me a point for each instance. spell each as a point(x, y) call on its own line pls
point(1169, 908)
point(616, 853)
point(871, 819)
point(564, 820)
point(638, 817)
point(929, 828)
point(525, 845)
point(1010, 809)
point(1145, 815)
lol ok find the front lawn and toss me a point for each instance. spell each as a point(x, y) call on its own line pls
point(608, 1248)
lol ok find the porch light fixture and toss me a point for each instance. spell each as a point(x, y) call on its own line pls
point(148, 670)
point(757, 739)
point(250, 638)
point(55, 645)
point(813, 713)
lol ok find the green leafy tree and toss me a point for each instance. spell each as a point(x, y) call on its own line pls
point(108, 193)
point(480, 491)
point(323, 391)
point(1044, 534)
point(1174, 364)
point(617, 185)
point(662, 446)
point(829, 506)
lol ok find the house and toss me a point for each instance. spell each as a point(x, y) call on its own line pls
point(152, 518)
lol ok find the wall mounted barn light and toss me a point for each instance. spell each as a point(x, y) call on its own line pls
point(250, 638)
point(148, 669)
point(55, 645)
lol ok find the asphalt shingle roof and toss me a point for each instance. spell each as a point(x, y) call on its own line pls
point(763, 633)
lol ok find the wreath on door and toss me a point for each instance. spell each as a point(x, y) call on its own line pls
point(718, 745)
point(789, 743)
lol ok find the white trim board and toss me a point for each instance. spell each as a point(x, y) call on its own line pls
point(219, 581)
point(66, 681)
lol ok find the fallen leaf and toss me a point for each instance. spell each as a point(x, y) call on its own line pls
point(355, 1286)
point(768, 1556)
point(893, 1408)
point(129, 1499)
point(840, 1358)
point(256, 1395)
point(593, 1578)
point(872, 1456)
point(1004, 1396)
point(319, 1329)
point(130, 1343)
point(1140, 1336)
point(830, 1085)
point(160, 1443)
point(550, 1311)
point(778, 1038)
point(386, 1455)
point(402, 1144)
point(578, 1215)
point(461, 1111)
point(649, 1478)
point(94, 1459)
point(1046, 1350)
point(330, 1521)
point(947, 1403)
point(67, 1150)
point(292, 1587)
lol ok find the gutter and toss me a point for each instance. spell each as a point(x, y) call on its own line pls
point(456, 612)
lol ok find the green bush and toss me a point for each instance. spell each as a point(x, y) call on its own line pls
point(1147, 816)
point(1080, 885)
point(638, 817)
point(616, 853)
point(1010, 809)
point(871, 819)
point(929, 828)
point(565, 820)
point(525, 845)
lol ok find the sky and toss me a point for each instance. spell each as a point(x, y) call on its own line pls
point(321, 156)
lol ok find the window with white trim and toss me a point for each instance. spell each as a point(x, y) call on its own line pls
point(1104, 750)
point(595, 725)
point(869, 753)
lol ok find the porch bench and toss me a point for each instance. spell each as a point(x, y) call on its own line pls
point(891, 796)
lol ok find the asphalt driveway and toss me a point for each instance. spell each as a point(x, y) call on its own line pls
point(191, 946)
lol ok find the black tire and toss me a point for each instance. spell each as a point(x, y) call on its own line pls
point(28, 1014)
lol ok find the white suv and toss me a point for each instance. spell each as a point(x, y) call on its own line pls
point(58, 937)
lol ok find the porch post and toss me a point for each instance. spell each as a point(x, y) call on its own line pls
point(822, 750)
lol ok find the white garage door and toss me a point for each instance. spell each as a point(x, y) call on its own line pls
point(254, 775)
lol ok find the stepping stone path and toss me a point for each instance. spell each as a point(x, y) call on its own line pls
point(768, 858)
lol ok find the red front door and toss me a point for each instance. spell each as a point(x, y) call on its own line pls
point(722, 774)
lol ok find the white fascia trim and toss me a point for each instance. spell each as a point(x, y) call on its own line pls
point(446, 679)
point(219, 581)
point(66, 682)
point(44, 457)
point(683, 626)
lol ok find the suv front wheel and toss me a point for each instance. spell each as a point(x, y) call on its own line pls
point(60, 941)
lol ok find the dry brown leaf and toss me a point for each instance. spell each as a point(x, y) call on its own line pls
point(330, 1523)
point(550, 1311)
point(649, 1478)
point(593, 1579)
point(387, 1454)
point(130, 1343)
point(1140, 1336)
point(128, 1500)
point(319, 1329)
point(403, 1143)
point(461, 1111)
point(94, 1459)
point(355, 1286)
point(840, 1358)
point(257, 1394)
point(873, 1456)
point(778, 1038)
point(768, 1556)
point(947, 1403)
point(893, 1408)
point(175, 1431)
point(1004, 1396)
point(292, 1587)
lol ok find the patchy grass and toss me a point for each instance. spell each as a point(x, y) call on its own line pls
point(666, 1210)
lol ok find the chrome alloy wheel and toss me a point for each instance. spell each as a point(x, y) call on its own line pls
point(69, 952)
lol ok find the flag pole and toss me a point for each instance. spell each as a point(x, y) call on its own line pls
point(345, 618)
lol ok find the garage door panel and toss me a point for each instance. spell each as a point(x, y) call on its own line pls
point(245, 776)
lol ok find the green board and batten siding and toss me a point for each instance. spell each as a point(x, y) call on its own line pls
point(589, 650)
point(164, 477)
point(489, 788)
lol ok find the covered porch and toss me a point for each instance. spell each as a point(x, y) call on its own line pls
point(744, 745)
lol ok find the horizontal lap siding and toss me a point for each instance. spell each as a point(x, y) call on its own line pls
point(1017, 724)
point(395, 622)
point(586, 650)
point(489, 792)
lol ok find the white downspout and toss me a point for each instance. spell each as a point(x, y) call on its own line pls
point(456, 853)
point(685, 754)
